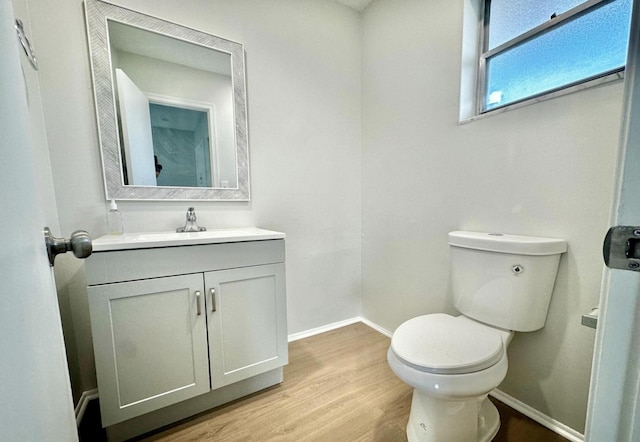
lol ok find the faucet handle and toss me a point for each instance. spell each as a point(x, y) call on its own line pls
point(190, 224)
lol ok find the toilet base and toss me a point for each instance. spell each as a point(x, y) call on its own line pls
point(468, 420)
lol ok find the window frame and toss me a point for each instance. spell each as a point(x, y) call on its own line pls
point(552, 23)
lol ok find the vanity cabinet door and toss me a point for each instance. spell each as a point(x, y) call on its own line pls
point(246, 312)
point(150, 344)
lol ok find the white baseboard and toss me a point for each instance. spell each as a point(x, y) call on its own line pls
point(541, 418)
point(83, 402)
point(324, 328)
point(377, 328)
point(339, 324)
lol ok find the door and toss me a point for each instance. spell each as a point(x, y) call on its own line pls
point(150, 343)
point(35, 391)
point(246, 312)
point(613, 413)
point(136, 131)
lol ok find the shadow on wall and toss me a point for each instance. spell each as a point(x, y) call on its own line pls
point(71, 285)
point(64, 304)
point(533, 355)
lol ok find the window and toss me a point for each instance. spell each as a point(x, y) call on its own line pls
point(535, 47)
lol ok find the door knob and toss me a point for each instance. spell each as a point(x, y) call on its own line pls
point(79, 244)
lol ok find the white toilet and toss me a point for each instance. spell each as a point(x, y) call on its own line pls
point(500, 284)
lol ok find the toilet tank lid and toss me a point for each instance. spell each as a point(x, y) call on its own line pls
point(503, 243)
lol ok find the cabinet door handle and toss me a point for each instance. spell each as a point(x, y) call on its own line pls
point(213, 300)
point(199, 309)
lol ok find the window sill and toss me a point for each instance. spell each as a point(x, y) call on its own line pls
point(616, 76)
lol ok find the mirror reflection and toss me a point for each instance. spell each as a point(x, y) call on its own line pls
point(180, 140)
point(174, 103)
point(171, 108)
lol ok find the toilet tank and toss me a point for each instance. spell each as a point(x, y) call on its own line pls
point(504, 280)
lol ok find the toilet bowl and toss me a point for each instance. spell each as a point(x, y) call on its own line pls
point(457, 363)
point(500, 284)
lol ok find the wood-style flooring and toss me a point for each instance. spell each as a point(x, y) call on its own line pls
point(337, 387)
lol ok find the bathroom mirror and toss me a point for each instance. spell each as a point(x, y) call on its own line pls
point(171, 108)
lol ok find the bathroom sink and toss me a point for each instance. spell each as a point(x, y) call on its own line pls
point(146, 240)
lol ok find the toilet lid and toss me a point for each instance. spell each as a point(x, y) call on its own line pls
point(443, 344)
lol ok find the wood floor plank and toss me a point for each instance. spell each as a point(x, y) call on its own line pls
point(337, 387)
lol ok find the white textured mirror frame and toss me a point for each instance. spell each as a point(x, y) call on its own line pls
point(97, 14)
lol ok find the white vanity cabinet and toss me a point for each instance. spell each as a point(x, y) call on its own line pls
point(150, 344)
point(179, 322)
point(242, 311)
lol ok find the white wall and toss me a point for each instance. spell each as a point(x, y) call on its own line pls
point(546, 170)
point(303, 78)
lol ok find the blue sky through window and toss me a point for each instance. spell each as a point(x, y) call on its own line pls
point(510, 18)
point(587, 46)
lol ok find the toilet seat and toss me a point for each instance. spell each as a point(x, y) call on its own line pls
point(444, 344)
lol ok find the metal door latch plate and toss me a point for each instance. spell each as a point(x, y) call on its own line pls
point(621, 248)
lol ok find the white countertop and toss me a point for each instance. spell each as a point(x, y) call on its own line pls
point(148, 240)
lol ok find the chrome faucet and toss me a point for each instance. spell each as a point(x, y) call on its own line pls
point(190, 225)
